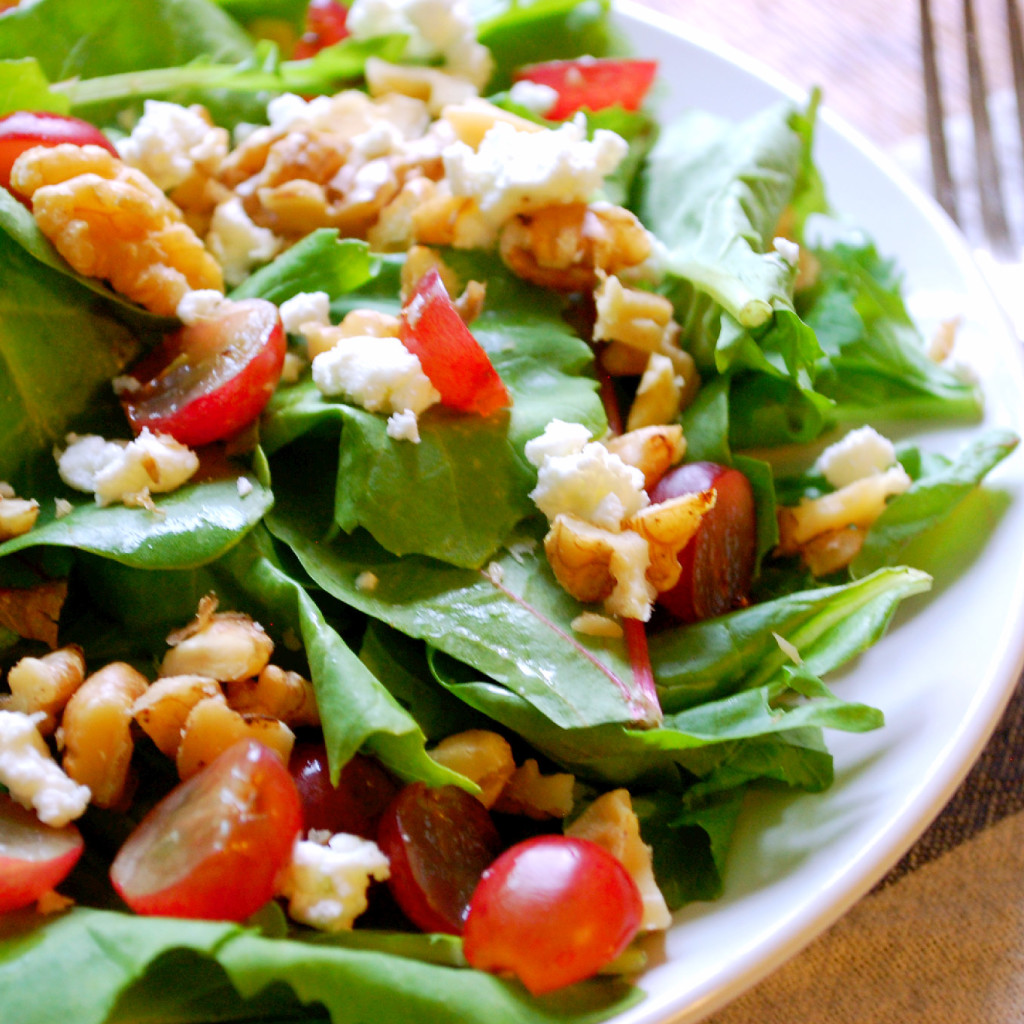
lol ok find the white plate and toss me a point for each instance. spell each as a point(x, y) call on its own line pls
point(946, 669)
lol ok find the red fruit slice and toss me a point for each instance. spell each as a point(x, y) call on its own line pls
point(592, 83)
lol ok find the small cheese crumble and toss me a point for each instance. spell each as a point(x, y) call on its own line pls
point(237, 243)
point(860, 453)
point(326, 882)
point(404, 426)
point(244, 487)
point(514, 172)
point(305, 308)
point(169, 142)
point(380, 374)
point(593, 624)
point(367, 582)
point(583, 478)
point(534, 96)
point(31, 775)
point(193, 308)
point(123, 470)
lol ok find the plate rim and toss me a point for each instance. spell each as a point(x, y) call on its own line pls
point(964, 745)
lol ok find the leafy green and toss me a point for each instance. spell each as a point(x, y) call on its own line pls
point(23, 86)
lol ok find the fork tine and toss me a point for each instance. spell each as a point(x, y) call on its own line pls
point(1016, 33)
point(993, 212)
point(942, 179)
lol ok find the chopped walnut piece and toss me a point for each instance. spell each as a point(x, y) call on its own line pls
point(45, 685)
point(276, 692)
point(635, 317)
point(611, 822)
point(111, 222)
point(653, 450)
point(472, 119)
point(594, 564)
point(212, 726)
point(17, 516)
point(537, 796)
point(482, 756)
point(225, 646)
point(829, 552)
point(659, 395)
point(668, 527)
point(564, 246)
point(162, 710)
point(96, 732)
point(434, 87)
point(34, 612)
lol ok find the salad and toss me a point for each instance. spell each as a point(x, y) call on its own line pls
point(464, 508)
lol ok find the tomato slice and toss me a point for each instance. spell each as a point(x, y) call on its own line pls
point(25, 129)
point(592, 83)
point(438, 842)
point(553, 910)
point(210, 378)
point(33, 857)
point(212, 847)
point(451, 357)
point(325, 26)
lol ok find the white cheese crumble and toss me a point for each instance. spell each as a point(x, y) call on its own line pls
point(583, 478)
point(380, 374)
point(435, 29)
point(170, 141)
point(860, 453)
point(121, 470)
point(237, 243)
point(199, 305)
point(305, 308)
point(404, 426)
point(534, 96)
point(32, 776)
point(515, 172)
point(325, 883)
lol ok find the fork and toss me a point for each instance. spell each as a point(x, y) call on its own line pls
point(1001, 257)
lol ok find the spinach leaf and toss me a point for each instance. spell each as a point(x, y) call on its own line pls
point(23, 86)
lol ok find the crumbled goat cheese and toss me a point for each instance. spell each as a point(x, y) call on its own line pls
point(119, 470)
point(31, 775)
point(787, 249)
point(244, 486)
point(404, 426)
point(583, 478)
point(380, 374)
point(325, 883)
point(305, 308)
point(515, 172)
point(860, 453)
point(435, 28)
point(237, 243)
point(199, 305)
point(534, 96)
point(367, 582)
point(170, 141)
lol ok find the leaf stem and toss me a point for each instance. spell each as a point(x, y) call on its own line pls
point(645, 692)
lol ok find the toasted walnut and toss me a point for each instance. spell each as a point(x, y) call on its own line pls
point(358, 323)
point(635, 317)
point(276, 692)
point(592, 624)
point(421, 259)
point(668, 527)
point(45, 684)
point(445, 219)
point(212, 726)
point(219, 645)
point(482, 756)
point(857, 504)
point(537, 796)
point(34, 612)
point(829, 552)
point(17, 516)
point(162, 710)
point(611, 822)
point(111, 222)
point(653, 450)
point(564, 246)
point(594, 564)
point(96, 732)
point(943, 339)
point(659, 395)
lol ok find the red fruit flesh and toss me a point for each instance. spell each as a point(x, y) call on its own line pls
point(718, 563)
point(355, 805)
point(33, 857)
point(438, 841)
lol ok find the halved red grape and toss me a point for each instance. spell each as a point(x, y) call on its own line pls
point(439, 841)
point(718, 563)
